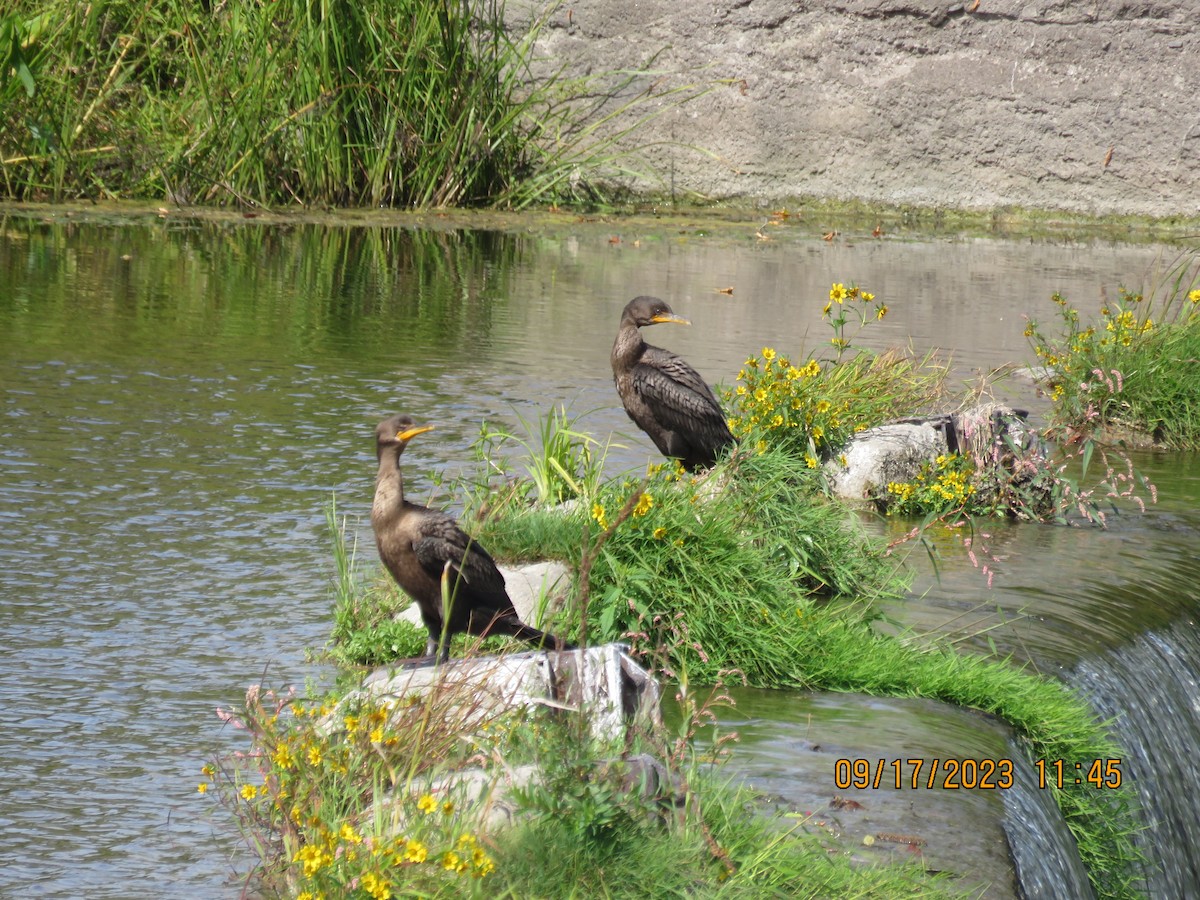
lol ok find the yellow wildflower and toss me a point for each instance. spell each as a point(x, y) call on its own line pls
point(660, 533)
point(644, 504)
point(314, 755)
point(483, 863)
point(416, 852)
point(427, 804)
point(881, 312)
point(282, 757)
point(1194, 296)
point(768, 354)
point(249, 792)
point(867, 297)
point(599, 516)
point(838, 292)
point(349, 835)
point(448, 807)
point(376, 736)
point(377, 887)
point(810, 461)
point(314, 858)
point(202, 788)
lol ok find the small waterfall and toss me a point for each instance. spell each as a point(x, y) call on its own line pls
point(1042, 847)
point(1148, 688)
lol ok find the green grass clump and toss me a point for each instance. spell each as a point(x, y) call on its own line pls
point(1132, 371)
point(752, 570)
point(759, 856)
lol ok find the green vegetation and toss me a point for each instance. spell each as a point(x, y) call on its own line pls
point(747, 572)
point(340, 800)
point(1133, 372)
point(810, 411)
point(403, 104)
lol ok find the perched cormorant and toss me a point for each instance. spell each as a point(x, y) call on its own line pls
point(665, 396)
point(418, 544)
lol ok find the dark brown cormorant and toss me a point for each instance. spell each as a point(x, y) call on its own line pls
point(418, 544)
point(665, 396)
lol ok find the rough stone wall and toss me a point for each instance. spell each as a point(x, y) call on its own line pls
point(1089, 107)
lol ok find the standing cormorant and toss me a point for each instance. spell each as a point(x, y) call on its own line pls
point(665, 396)
point(418, 545)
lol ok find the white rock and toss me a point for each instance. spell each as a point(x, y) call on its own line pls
point(880, 455)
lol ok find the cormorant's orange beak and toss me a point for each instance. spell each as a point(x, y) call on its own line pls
point(410, 433)
point(663, 318)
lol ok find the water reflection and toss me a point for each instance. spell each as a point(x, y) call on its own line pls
point(182, 398)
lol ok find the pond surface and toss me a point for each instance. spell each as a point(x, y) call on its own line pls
point(182, 398)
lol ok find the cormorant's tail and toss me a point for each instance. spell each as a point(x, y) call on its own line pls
point(514, 627)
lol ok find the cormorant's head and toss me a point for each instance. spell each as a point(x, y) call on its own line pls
point(650, 311)
point(397, 430)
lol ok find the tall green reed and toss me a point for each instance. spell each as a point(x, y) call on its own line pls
point(399, 103)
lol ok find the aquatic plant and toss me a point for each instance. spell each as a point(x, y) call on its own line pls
point(562, 462)
point(1130, 372)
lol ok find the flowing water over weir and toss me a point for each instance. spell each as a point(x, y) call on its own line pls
point(1150, 688)
point(1043, 850)
point(181, 400)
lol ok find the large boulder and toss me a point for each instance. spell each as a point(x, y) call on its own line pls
point(992, 435)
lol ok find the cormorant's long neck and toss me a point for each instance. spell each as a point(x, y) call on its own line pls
point(628, 346)
point(389, 485)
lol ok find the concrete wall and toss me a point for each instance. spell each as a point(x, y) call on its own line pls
point(1091, 107)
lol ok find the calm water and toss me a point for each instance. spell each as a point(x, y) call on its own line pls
point(181, 400)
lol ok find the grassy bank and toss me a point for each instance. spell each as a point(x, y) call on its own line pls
point(399, 104)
